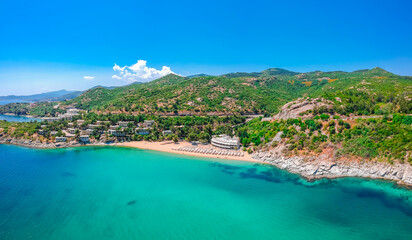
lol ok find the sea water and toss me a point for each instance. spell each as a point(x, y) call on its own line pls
point(15, 118)
point(124, 193)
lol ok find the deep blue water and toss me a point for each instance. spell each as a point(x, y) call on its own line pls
point(123, 193)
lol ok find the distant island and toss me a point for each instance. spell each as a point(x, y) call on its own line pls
point(317, 124)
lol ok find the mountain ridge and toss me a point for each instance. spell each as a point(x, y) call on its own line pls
point(233, 93)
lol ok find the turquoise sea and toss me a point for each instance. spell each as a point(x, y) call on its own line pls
point(12, 118)
point(17, 101)
point(123, 193)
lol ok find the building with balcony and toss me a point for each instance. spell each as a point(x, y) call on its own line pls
point(167, 132)
point(116, 133)
point(60, 139)
point(123, 124)
point(84, 138)
point(226, 142)
point(148, 123)
point(142, 131)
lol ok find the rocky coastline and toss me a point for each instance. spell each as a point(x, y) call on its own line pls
point(325, 167)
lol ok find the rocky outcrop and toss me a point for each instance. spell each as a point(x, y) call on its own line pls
point(318, 167)
point(296, 108)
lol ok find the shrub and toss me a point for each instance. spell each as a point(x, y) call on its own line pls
point(324, 116)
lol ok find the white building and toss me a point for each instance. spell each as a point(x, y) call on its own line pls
point(73, 111)
point(142, 131)
point(51, 119)
point(116, 133)
point(84, 138)
point(114, 127)
point(148, 123)
point(53, 133)
point(72, 130)
point(87, 131)
point(167, 132)
point(225, 141)
point(60, 139)
point(123, 124)
point(92, 126)
point(70, 113)
point(80, 122)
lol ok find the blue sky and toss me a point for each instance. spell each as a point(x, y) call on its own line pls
point(51, 45)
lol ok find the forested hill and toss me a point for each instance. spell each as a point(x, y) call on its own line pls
point(363, 92)
point(374, 90)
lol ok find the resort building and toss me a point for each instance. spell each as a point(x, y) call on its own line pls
point(167, 132)
point(41, 132)
point(148, 123)
point(53, 133)
point(43, 126)
point(60, 139)
point(70, 113)
point(114, 127)
point(73, 111)
point(103, 122)
point(70, 125)
point(84, 138)
point(142, 131)
point(87, 131)
point(51, 119)
point(116, 133)
point(72, 130)
point(123, 124)
point(92, 126)
point(225, 141)
point(80, 122)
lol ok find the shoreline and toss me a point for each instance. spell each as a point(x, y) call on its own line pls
point(167, 147)
point(311, 170)
point(324, 166)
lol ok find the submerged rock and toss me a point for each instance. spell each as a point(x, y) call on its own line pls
point(133, 202)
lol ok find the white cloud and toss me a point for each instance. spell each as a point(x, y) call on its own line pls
point(89, 77)
point(139, 72)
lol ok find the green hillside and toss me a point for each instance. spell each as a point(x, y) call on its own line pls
point(362, 92)
point(252, 93)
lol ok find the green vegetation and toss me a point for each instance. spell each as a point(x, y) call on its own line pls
point(35, 109)
point(192, 128)
point(19, 129)
point(377, 138)
point(364, 92)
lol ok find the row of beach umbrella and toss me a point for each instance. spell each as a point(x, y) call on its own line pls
point(210, 151)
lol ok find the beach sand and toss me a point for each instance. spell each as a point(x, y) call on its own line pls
point(167, 147)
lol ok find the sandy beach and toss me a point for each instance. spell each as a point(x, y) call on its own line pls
point(168, 147)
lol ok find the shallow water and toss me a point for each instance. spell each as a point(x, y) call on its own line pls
point(122, 193)
point(12, 118)
point(15, 101)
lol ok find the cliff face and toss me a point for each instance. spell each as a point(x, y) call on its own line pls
point(321, 166)
point(295, 108)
